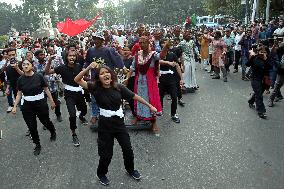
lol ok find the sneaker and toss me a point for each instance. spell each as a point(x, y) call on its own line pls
point(53, 137)
point(176, 119)
point(190, 90)
point(181, 102)
point(235, 71)
point(216, 77)
point(59, 118)
point(251, 106)
point(135, 174)
point(37, 150)
point(103, 180)
point(262, 115)
point(76, 141)
point(10, 108)
point(83, 120)
point(225, 79)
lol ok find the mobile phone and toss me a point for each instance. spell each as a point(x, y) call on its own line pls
point(13, 60)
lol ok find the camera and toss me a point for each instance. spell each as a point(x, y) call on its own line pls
point(13, 60)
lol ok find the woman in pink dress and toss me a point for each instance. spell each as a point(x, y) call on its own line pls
point(218, 56)
point(146, 68)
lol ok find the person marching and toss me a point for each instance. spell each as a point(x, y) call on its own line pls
point(146, 68)
point(218, 56)
point(39, 66)
point(109, 95)
point(105, 54)
point(260, 79)
point(188, 50)
point(178, 52)
point(167, 80)
point(73, 93)
point(32, 86)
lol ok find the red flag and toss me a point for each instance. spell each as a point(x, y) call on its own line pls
point(73, 28)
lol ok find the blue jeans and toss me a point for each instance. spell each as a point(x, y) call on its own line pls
point(273, 75)
point(95, 108)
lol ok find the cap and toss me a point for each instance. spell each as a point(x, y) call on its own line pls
point(98, 34)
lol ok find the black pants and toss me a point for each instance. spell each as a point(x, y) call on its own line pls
point(210, 62)
point(73, 101)
point(105, 150)
point(237, 59)
point(130, 86)
point(87, 96)
point(178, 87)
point(257, 96)
point(30, 111)
point(57, 103)
point(169, 88)
point(230, 59)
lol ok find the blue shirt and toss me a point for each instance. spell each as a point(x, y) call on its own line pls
point(110, 57)
point(246, 43)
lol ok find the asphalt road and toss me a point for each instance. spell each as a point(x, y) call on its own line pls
point(220, 144)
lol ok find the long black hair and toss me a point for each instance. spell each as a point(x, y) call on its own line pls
point(65, 60)
point(113, 82)
point(218, 35)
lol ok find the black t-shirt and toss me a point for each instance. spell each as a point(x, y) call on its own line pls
point(168, 78)
point(31, 85)
point(110, 99)
point(12, 75)
point(177, 51)
point(68, 74)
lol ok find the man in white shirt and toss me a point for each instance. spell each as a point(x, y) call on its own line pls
point(238, 49)
point(280, 30)
point(120, 39)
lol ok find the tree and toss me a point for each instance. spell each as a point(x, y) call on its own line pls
point(32, 9)
point(110, 13)
point(5, 18)
point(225, 7)
point(76, 9)
point(66, 9)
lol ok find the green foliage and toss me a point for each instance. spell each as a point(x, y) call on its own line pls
point(110, 13)
point(31, 9)
point(225, 7)
point(5, 18)
point(26, 16)
point(76, 9)
point(3, 40)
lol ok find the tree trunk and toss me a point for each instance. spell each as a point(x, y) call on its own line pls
point(267, 11)
point(254, 7)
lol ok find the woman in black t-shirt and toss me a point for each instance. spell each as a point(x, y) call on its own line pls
point(109, 96)
point(73, 93)
point(31, 89)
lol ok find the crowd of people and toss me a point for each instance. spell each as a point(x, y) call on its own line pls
point(107, 68)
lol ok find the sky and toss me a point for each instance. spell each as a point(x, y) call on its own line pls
point(18, 2)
